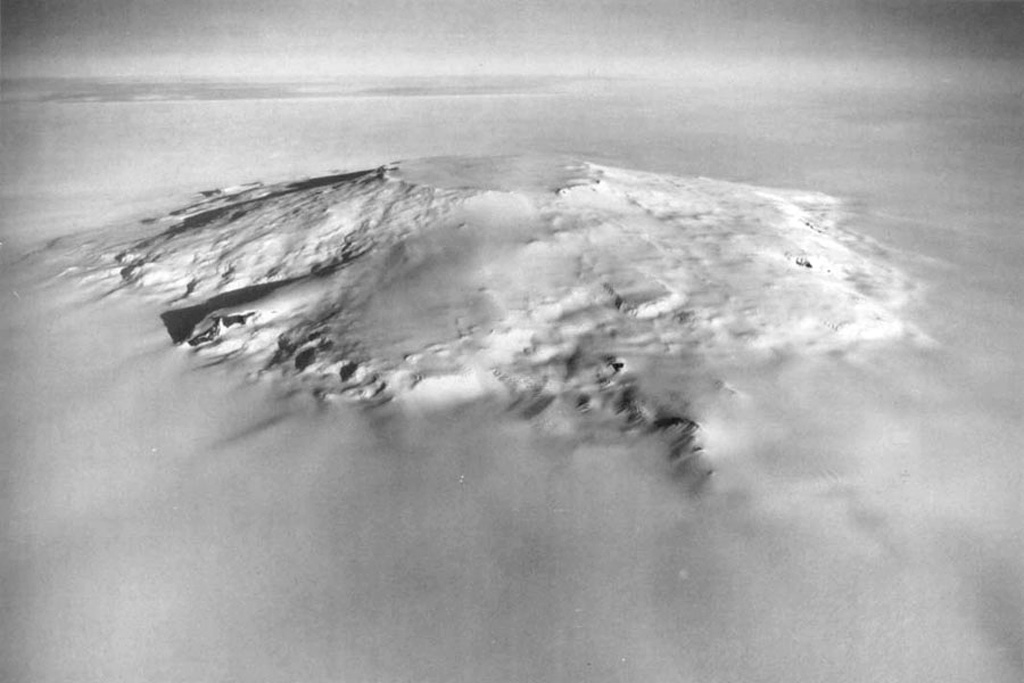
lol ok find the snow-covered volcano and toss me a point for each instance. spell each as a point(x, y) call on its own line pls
point(578, 295)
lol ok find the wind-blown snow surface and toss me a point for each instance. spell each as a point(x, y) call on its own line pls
point(492, 437)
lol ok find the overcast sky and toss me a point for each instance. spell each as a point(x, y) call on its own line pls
point(248, 38)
